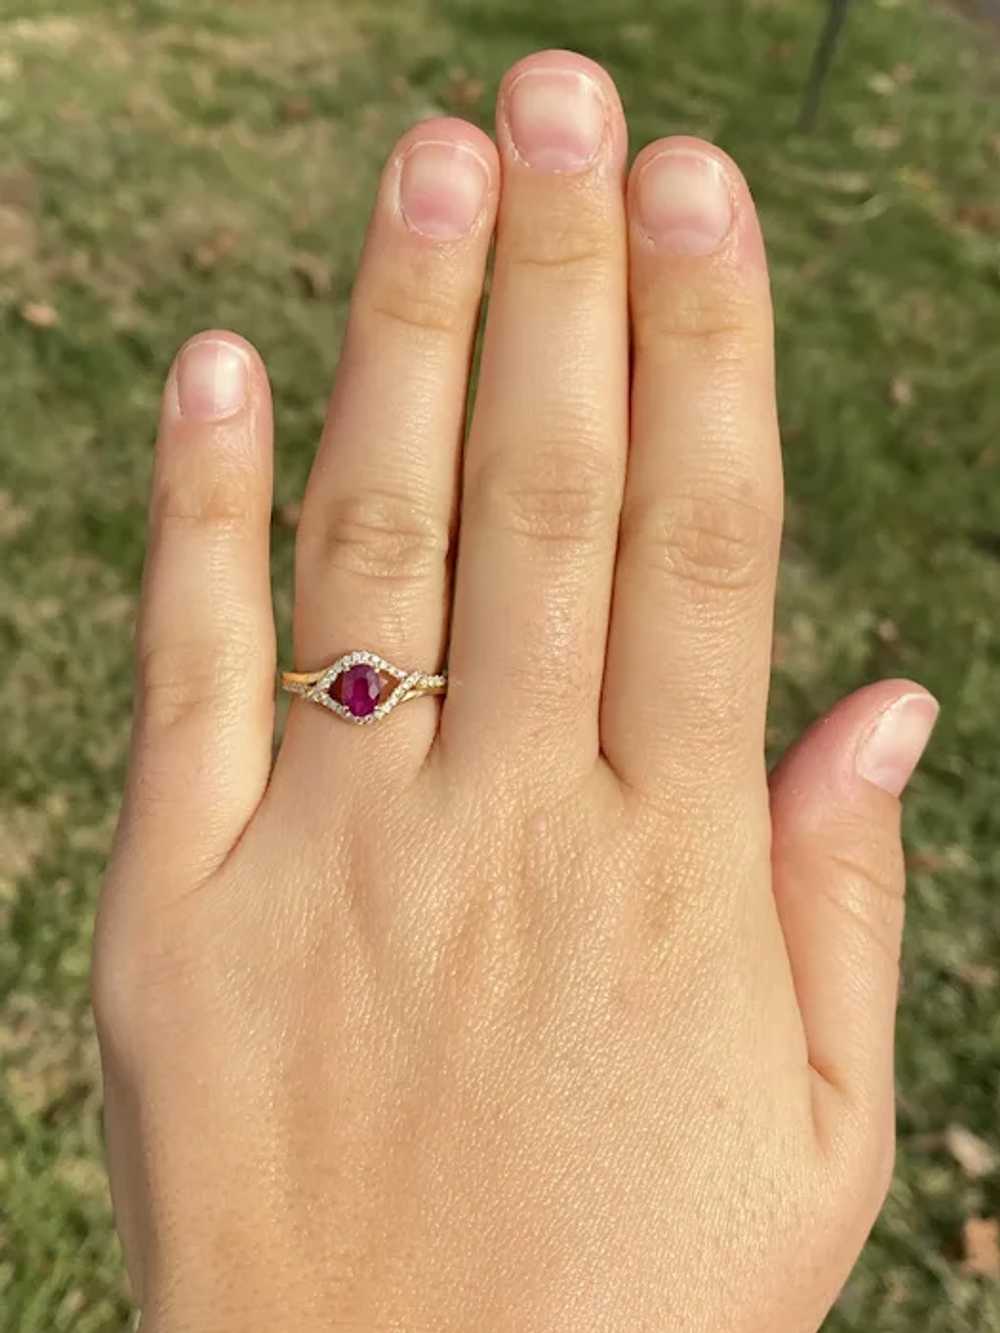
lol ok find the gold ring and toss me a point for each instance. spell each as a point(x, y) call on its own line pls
point(362, 687)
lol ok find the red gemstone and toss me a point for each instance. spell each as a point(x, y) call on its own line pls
point(358, 689)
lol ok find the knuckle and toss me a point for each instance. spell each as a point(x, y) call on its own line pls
point(861, 1156)
point(575, 246)
point(558, 495)
point(870, 889)
point(108, 997)
point(183, 679)
point(384, 536)
point(228, 500)
point(146, 973)
point(420, 304)
point(708, 543)
point(719, 326)
point(582, 264)
point(117, 990)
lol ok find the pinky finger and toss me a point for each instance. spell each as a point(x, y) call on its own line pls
point(201, 742)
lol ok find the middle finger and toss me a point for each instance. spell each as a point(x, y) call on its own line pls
point(546, 452)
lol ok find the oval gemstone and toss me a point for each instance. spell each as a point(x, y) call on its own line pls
point(358, 689)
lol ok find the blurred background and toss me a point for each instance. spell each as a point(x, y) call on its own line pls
point(171, 164)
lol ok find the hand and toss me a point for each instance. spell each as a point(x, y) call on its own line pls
point(538, 1008)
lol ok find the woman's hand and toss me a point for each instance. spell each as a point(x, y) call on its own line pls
point(537, 1008)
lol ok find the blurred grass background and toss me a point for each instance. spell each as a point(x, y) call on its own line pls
point(170, 164)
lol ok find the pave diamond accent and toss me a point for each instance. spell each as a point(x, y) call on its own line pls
point(327, 690)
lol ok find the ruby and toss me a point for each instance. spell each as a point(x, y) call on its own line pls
point(358, 689)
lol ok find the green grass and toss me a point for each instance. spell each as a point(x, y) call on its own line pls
point(168, 164)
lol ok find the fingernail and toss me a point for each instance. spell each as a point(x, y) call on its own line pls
point(213, 380)
point(556, 119)
point(442, 189)
point(891, 750)
point(684, 202)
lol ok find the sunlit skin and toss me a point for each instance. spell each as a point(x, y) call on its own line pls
point(540, 1006)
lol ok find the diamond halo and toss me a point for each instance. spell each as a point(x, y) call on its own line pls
point(316, 687)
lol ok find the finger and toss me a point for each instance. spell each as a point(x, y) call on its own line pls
point(201, 745)
point(689, 646)
point(546, 450)
point(839, 881)
point(372, 561)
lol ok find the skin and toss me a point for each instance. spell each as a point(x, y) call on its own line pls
point(541, 1007)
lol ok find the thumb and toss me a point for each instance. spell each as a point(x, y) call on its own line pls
point(839, 881)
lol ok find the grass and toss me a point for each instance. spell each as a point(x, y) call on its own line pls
point(168, 164)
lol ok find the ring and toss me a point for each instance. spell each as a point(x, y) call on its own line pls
point(362, 687)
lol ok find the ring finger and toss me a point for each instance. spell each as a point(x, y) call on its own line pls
point(546, 452)
point(372, 556)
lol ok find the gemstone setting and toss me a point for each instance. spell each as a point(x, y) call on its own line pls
point(364, 695)
point(358, 689)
